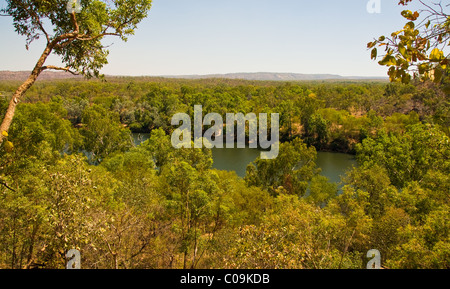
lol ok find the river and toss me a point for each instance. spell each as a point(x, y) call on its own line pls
point(333, 165)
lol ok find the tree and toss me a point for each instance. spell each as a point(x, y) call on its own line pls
point(424, 246)
point(407, 157)
point(376, 183)
point(294, 234)
point(103, 133)
point(55, 207)
point(193, 207)
point(76, 36)
point(290, 172)
point(385, 233)
point(322, 190)
point(417, 50)
point(317, 127)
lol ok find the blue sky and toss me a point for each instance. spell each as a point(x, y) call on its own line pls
point(217, 36)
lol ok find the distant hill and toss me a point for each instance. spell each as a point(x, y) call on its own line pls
point(271, 76)
point(268, 76)
point(263, 76)
point(45, 75)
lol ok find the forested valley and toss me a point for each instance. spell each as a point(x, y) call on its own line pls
point(72, 177)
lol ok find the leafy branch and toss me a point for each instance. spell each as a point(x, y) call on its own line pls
point(418, 50)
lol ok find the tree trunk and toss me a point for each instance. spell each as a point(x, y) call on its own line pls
point(346, 248)
point(31, 246)
point(6, 123)
point(194, 258)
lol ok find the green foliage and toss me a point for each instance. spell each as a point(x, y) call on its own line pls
point(417, 50)
point(318, 128)
point(103, 133)
point(407, 157)
point(321, 190)
point(44, 121)
point(77, 38)
point(153, 206)
point(294, 234)
point(289, 173)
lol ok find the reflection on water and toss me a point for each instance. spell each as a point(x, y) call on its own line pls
point(139, 138)
point(333, 165)
point(234, 159)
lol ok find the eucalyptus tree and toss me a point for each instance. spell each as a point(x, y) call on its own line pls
point(73, 30)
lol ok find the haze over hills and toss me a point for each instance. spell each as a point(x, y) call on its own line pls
point(268, 76)
point(45, 75)
point(274, 76)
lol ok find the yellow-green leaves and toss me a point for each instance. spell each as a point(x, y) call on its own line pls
point(437, 55)
point(409, 26)
point(374, 53)
point(408, 52)
point(388, 60)
point(424, 67)
point(410, 15)
point(438, 71)
point(437, 75)
point(8, 146)
point(402, 50)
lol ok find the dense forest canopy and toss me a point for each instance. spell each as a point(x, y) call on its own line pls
point(72, 177)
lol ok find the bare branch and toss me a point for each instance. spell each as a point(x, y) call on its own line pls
point(74, 22)
point(65, 43)
point(6, 185)
point(84, 38)
point(52, 67)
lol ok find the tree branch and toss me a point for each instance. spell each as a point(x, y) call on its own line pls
point(69, 36)
point(36, 20)
point(65, 43)
point(6, 185)
point(74, 22)
point(52, 67)
point(84, 38)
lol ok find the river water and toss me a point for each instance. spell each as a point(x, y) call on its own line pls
point(333, 165)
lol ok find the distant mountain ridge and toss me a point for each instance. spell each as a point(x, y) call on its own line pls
point(268, 76)
point(273, 76)
point(263, 76)
point(45, 75)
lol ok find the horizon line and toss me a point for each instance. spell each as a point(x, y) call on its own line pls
point(216, 75)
